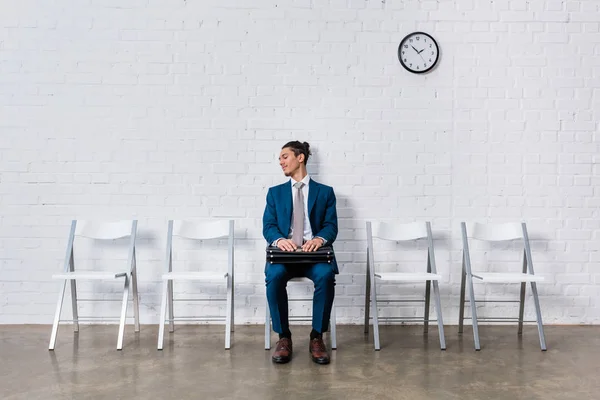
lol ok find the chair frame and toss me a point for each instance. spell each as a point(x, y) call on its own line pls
point(371, 300)
point(69, 274)
point(467, 281)
point(167, 286)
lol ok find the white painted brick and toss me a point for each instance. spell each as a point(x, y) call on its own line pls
point(151, 112)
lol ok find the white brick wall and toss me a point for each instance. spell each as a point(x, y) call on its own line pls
point(159, 109)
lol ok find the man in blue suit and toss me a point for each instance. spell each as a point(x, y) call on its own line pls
point(300, 213)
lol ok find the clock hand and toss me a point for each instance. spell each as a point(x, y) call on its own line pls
point(420, 51)
point(414, 48)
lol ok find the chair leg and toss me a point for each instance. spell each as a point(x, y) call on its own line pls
point(136, 300)
point(522, 298)
point(438, 309)
point(61, 296)
point(162, 315)
point(267, 327)
point(74, 306)
point(522, 307)
point(427, 305)
point(375, 316)
point(171, 318)
point(461, 310)
point(229, 313)
point(123, 313)
point(232, 305)
point(473, 313)
point(367, 302)
point(333, 326)
point(538, 311)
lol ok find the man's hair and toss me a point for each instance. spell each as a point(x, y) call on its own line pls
point(299, 148)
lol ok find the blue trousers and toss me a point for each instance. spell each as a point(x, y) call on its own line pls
point(277, 277)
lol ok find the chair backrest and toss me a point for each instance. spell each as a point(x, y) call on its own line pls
point(398, 232)
point(201, 230)
point(494, 232)
point(99, 230)
point(104, 230)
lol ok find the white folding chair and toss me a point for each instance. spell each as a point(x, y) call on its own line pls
point(198, 231)
point(401, 232)
point(332, 320)
point(493, 233)
point(98, 231)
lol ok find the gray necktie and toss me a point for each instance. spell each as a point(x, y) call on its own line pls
point(298, 227)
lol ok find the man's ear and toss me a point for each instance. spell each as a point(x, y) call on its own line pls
point(300, 158)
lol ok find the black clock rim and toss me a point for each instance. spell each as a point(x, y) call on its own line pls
point(434, 42)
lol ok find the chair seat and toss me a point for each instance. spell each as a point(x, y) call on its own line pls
point(90, 275)
point(194, 276)
point(300, 279)
point(506, 277)
point(407, 276)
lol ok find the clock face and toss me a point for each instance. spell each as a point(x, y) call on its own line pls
point(418, 52)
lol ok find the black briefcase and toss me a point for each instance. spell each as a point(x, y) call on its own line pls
point(277, 256)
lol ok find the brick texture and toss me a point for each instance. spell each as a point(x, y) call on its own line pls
point(158, 109)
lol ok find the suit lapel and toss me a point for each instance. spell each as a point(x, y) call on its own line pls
point(287, 201)
point(313, 192)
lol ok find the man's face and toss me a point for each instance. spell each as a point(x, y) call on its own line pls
point(289, 162)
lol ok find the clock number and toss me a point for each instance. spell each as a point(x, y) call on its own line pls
point(418, 38)
point(405, 60)
point(418, 67)
point(406, 46)
point(411, 40)
point(410, 65)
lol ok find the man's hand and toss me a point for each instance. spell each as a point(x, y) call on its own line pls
point(286, 245)
point(312, 245)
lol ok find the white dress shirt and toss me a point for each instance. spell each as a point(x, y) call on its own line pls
point(308, 235)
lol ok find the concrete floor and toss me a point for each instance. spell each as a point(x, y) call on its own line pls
point(194, 365)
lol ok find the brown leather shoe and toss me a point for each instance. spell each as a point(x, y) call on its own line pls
point(318, 351)
point(283, 351)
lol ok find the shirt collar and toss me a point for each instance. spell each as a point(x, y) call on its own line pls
point(304, 180)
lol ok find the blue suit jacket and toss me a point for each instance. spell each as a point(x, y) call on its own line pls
point(321, 211)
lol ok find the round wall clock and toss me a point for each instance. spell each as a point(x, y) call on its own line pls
point(418, 52)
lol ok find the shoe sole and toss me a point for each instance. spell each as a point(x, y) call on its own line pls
point(320, 362)
point(281, 360)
